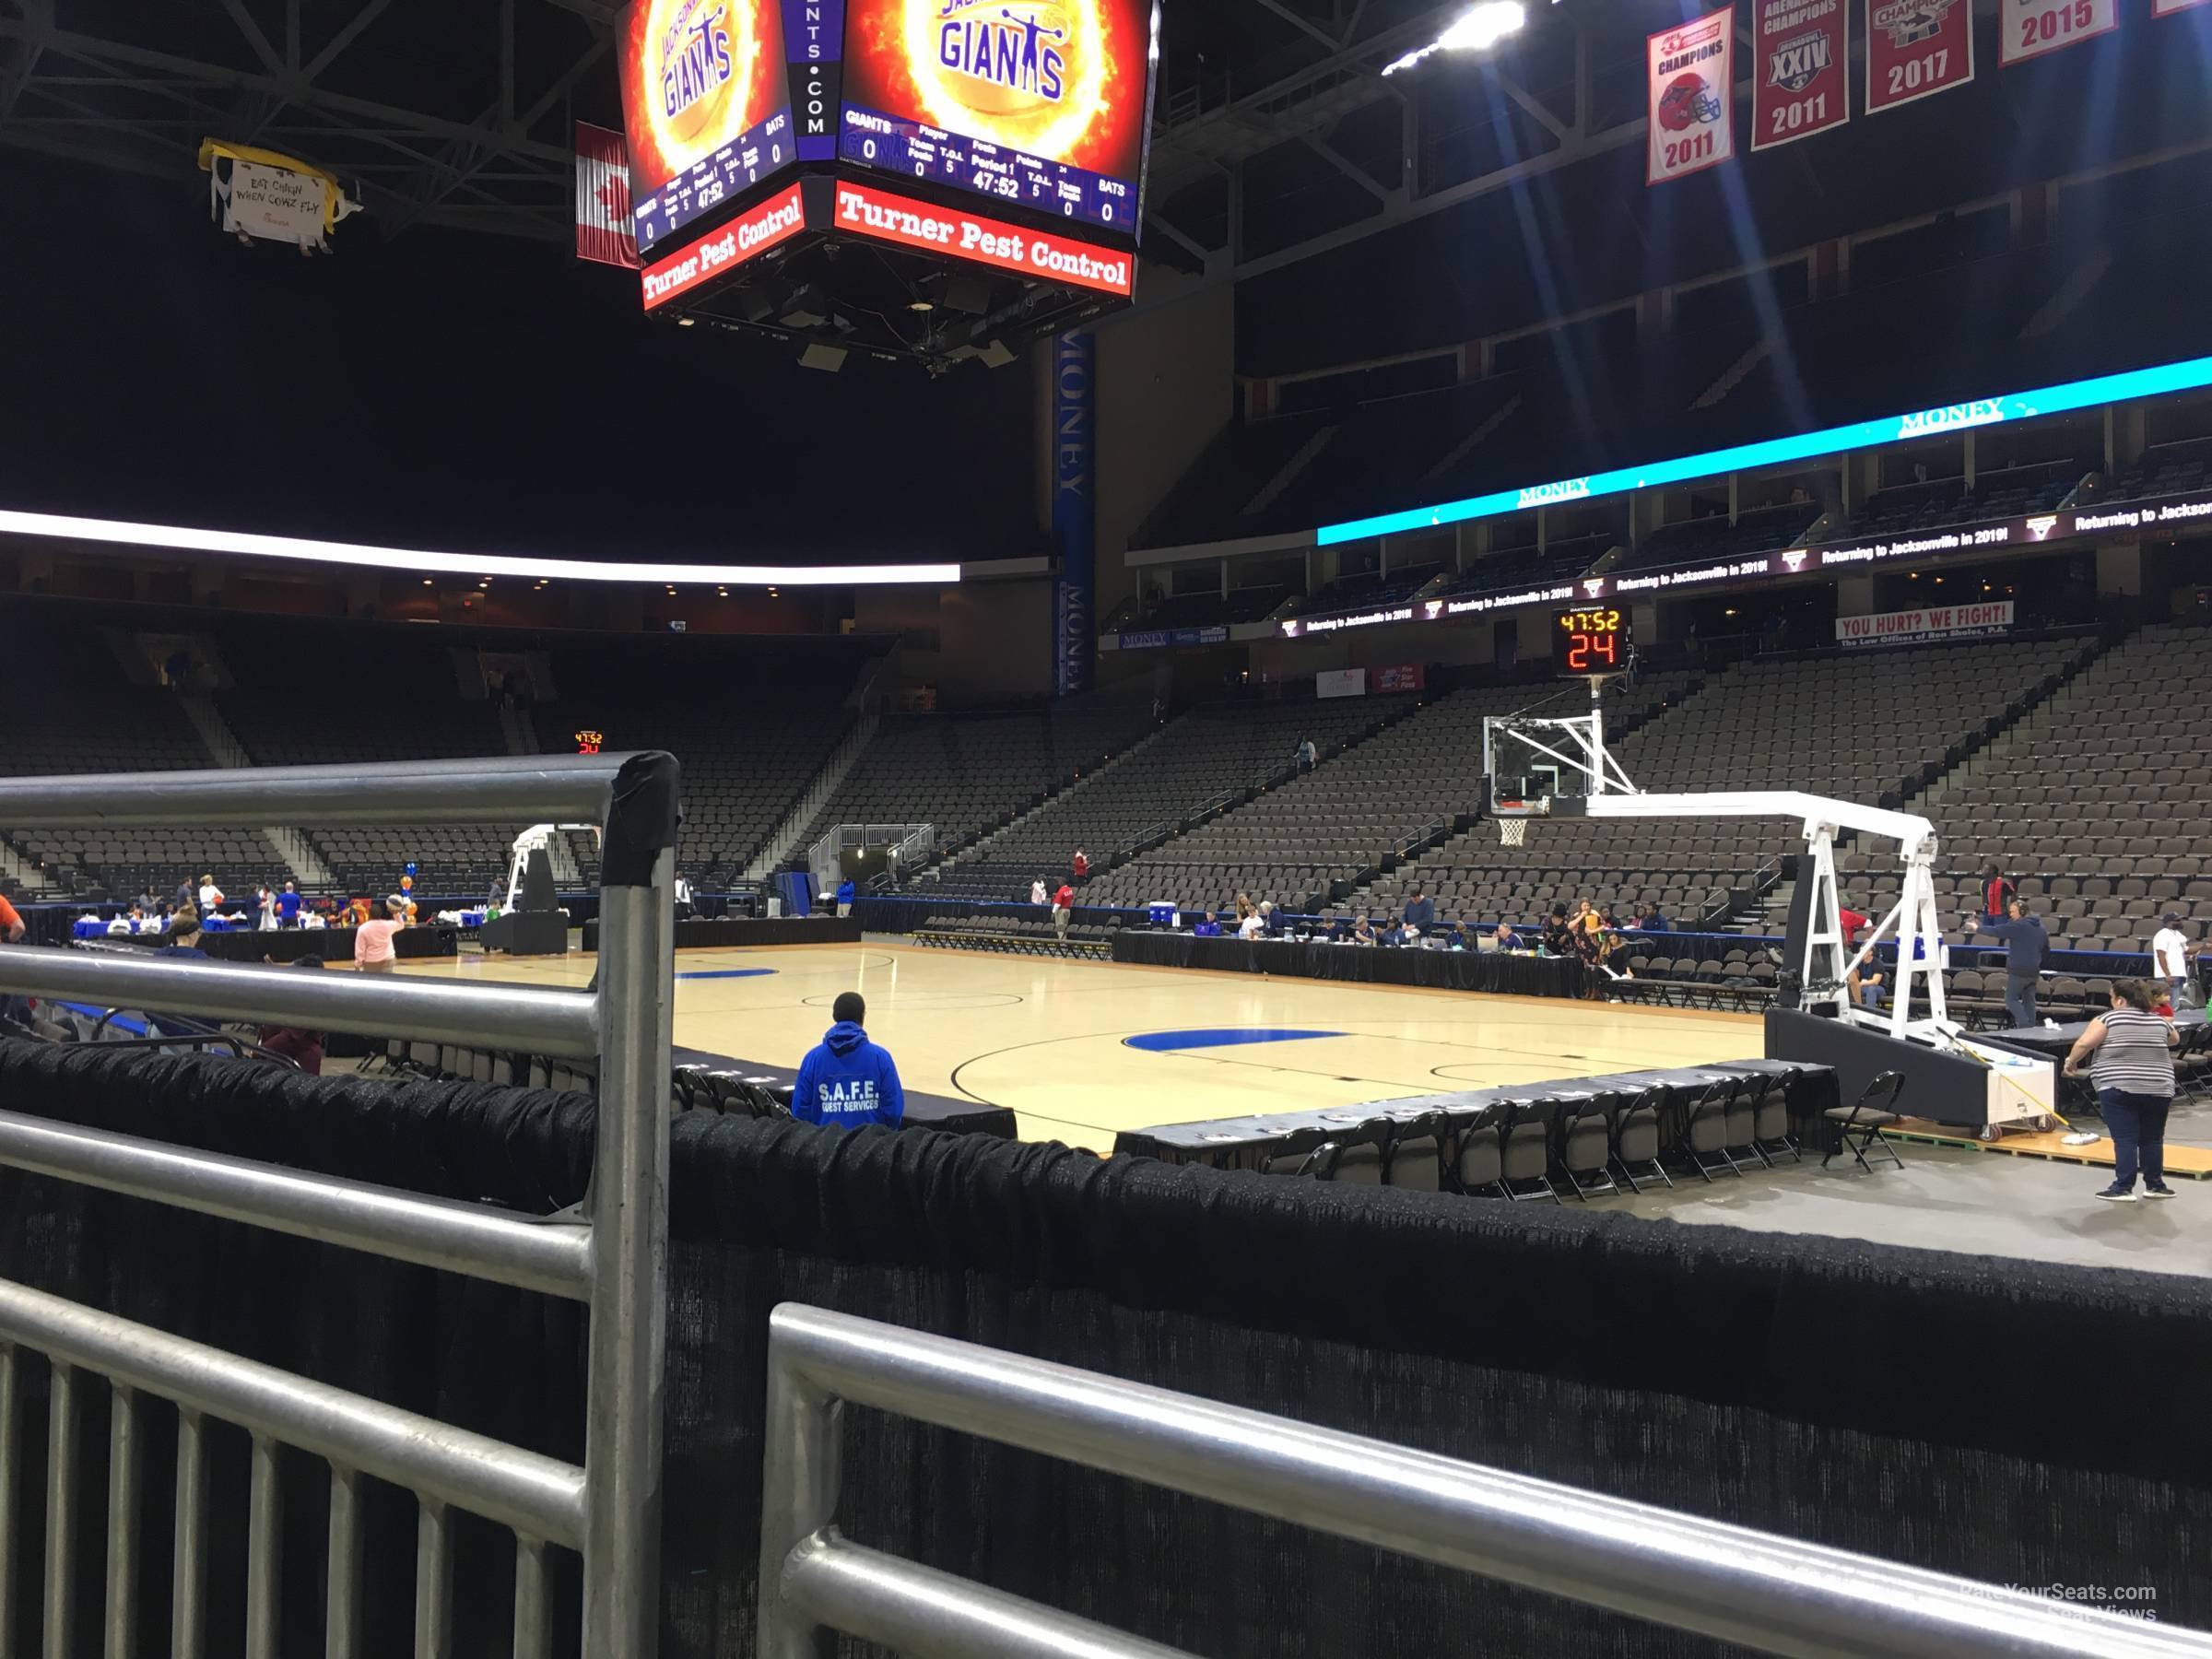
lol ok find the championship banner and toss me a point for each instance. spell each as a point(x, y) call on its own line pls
point(1691, 103)
point(603, 232)
point(1916, 47)
point(2033, 28)
point(1800, 83)
point(1930, 623)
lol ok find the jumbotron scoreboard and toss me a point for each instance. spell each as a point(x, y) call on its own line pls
point(1590, 642)
point(989, 154)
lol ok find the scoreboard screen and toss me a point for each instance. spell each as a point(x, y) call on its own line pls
point(1589, 642)
point(706, 105)
point(1042, 104)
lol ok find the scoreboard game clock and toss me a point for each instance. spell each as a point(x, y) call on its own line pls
point(1587, 644)
point(990, 155)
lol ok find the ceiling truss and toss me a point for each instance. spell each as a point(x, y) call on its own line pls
point(262, 74)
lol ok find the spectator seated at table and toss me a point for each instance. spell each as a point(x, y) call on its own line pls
point(1405, 932)
point(1253, 925)
point(1208, 929)
point(1363, 932)
point(1272, 920)
point(1503, 938)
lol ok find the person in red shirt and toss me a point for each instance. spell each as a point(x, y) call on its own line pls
point(1082, 866)
point(1997, 893)
point(1064, 905)
point(12, 931)
point(1853, 921)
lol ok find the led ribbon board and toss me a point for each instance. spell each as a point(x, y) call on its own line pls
point(2184, 376)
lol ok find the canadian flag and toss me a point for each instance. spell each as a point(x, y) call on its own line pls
point(603, 231)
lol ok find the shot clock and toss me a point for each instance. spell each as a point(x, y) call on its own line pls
point(1589, 642)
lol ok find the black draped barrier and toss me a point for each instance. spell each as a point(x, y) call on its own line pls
point(923, 1111)
point(708, 934)
point(1943, 1409)
point(1518, 973)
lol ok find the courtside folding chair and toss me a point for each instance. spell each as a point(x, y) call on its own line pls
point(1582, 1144)
point(1524, 1149)
point(1476, 1157)
point(1635, 1127)
point(1705, 1128)
point(1859, 1124)
point(1770, 1118)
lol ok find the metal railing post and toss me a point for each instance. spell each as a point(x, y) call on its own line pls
point(801, 1458)
point(629, 1264)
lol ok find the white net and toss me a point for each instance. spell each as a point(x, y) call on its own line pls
point(1513, 832)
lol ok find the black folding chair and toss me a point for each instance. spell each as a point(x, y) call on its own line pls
point(1635, 1128)
point(1859, 1124)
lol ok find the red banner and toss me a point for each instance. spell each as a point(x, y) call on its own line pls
point(2032, 28)
point(1801, 81)
point(1406, 676)
point(862, 210)
point(1916, 47)
point(1691, 104)
point(751, 233)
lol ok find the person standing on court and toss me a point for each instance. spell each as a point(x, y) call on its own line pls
point(287, 905)
point(2128, 1053)
point(846, 1081)
point(2025, 946)
point(844, 897)
point(373, 951)
point(2170, 955)
point(1064, 908)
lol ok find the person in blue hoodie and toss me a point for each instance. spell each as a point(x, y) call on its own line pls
point(846, 1080)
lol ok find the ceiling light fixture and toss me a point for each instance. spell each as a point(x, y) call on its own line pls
point(244, 544)
point(1476, 28)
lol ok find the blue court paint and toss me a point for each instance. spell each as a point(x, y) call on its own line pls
point(727, 974)
point(1160, 1043)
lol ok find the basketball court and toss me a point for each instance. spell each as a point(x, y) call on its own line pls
point(1081, 1050)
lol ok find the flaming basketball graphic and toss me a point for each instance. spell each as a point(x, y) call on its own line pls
point(697, 75)
point(1061, 79)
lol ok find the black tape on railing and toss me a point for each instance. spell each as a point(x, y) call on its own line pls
point(641, 820)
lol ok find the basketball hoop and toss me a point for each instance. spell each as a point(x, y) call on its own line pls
point(1513, 832)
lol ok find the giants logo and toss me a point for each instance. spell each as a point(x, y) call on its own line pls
point(1007, 54)
point(696, 64)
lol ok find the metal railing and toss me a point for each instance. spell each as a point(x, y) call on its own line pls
point(914, 845)
point(1729, 1583)
point(609, 1509)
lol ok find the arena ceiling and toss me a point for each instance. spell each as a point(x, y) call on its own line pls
point(1276, 135)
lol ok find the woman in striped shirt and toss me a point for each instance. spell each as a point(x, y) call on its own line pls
point(2129, 1056)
